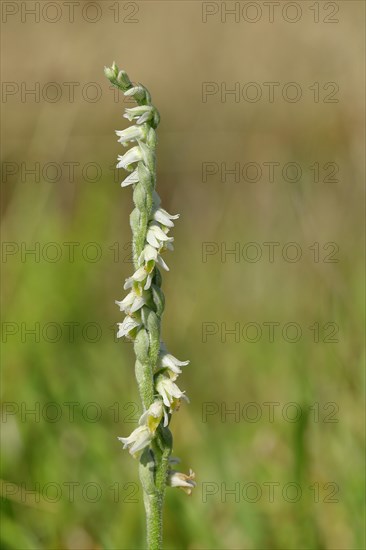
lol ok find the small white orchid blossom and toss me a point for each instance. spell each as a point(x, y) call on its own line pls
point(128, 324)
point(132, 302)
point(170, 392)
point(142, 113)
point(168, 361)
point(183, 481)
point(137, 441)
point(132, 133)
point(132, 156)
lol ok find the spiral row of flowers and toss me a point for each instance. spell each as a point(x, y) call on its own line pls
point(156, 369)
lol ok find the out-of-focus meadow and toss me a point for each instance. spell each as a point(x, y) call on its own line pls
point(292, 453)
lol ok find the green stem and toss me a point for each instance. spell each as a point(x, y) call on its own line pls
point(154, 502)
point(153, 480)
point(154, 521)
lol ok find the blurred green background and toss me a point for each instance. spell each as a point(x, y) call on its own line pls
point(73, 372)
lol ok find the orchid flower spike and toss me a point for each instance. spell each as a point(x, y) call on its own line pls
point(156, 369)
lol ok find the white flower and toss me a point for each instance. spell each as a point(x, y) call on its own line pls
point(128, 324)
point(142, 113)
point(152, 417)
point(142, 273)
point(132, 302)
point(156, 236)
point(170, 392)
point(131, 178)
point(170, 362)
point(138, 276)
point(183, 481)
point(132, 133)
point(148, 423)
point(140, 93)
point(133, 155)
point(162, 216)
point(138, 440)
point(150, 253)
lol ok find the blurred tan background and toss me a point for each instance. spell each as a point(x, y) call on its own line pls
point(310, 451)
